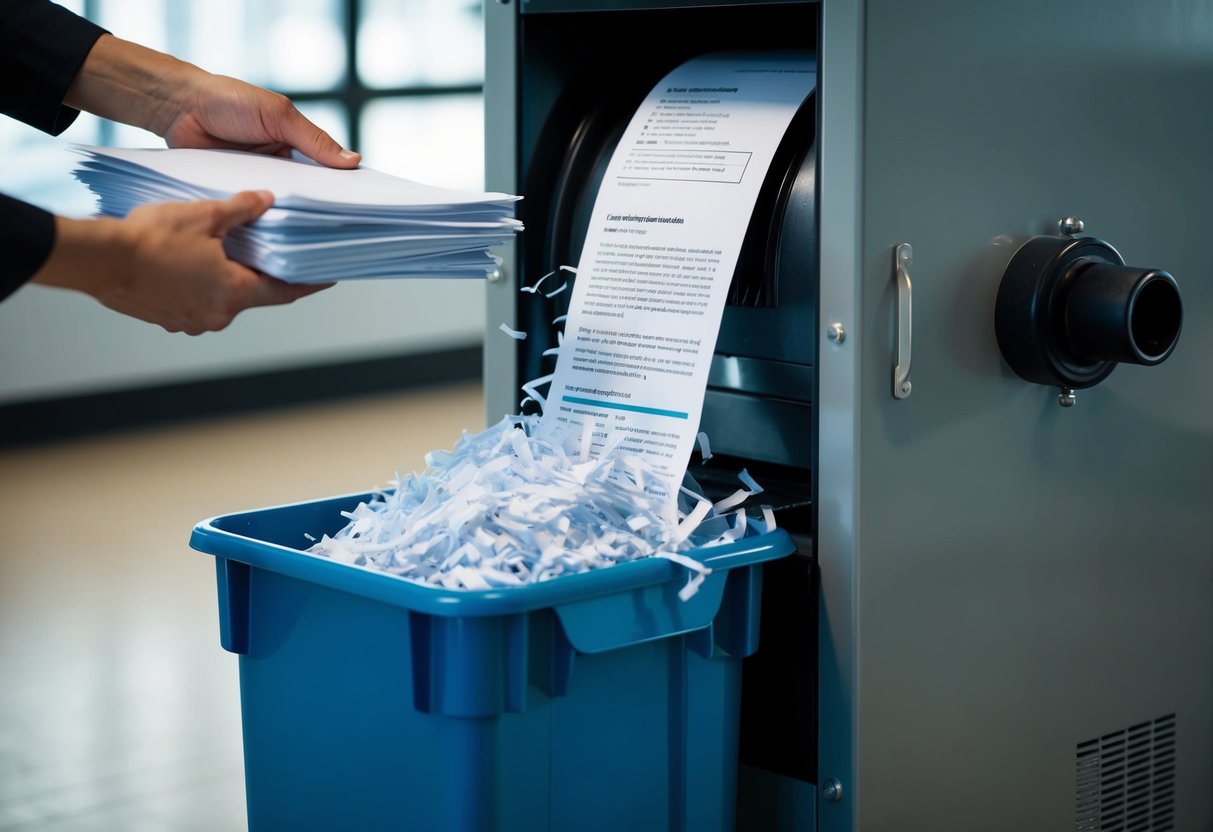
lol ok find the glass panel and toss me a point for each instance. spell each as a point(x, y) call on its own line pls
point(38, 168)
point(288, 45)
point(304, 43)
point(217, 39)
point(438, 140)
point(405, 43)
point(142, 21)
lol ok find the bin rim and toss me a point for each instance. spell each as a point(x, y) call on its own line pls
point(215, 536)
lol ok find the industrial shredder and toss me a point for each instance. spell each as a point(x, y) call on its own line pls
point(1001, 613)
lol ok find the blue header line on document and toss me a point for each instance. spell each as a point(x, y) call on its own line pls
point(632, 408)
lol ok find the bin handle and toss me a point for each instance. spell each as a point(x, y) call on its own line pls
point(734, 558)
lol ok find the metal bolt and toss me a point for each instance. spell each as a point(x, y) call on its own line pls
point(494, 275)
point(832, 790)
point(1070, 226)
point(1067, 398)
point(836, 333)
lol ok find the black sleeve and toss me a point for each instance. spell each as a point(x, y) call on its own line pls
point(26, 236)
point(42, 47)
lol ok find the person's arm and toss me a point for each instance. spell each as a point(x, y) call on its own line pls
point(189, 107)
point(165, 264)
point(42, 47)
point(26, 235)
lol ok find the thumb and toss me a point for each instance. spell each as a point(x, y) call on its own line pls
point(242, 208)
point(316, 144)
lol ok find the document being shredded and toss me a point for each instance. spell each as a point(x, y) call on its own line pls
point(326, 224)
point(600, 477)
point(509, 507)
point(662, 245)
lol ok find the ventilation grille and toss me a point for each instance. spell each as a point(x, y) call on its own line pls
point(1126, 779)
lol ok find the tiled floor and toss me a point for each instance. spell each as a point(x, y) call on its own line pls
point(119, 712)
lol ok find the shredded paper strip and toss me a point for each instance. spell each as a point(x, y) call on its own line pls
point(505, 508)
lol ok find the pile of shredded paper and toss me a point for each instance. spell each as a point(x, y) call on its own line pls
point(507, 508)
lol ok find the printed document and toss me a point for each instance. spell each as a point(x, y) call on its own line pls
point(664, 237)
point(326, 224)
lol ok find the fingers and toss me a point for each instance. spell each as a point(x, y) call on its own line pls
point(233, 114)
point(314, 143)
point(264, 290)
point(239, 289)
point(243, 208)
point(166, 264)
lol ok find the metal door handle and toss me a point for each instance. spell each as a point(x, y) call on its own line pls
point(902, 257)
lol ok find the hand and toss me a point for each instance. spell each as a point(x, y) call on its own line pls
point(165, 264)
point(189, 107)
point(216, 111)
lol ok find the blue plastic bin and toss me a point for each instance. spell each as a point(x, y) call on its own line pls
point(597, 701)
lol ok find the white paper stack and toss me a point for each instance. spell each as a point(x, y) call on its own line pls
point(326, 224)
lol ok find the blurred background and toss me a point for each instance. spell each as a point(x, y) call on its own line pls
point(398, 80)
point(119, 711)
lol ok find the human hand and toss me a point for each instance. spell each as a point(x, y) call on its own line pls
point(190, 107)
point(165, 264)
point(216, 111)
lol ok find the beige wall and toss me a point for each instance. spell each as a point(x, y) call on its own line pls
point(55, 343)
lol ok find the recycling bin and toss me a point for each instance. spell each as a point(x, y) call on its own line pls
point(591, 701)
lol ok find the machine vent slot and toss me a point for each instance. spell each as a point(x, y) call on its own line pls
point(751, 288)
point(1126, 779)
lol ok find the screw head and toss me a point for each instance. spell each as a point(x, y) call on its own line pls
point(1071, 226)
point(494, 275)
point(1066, 398)
point(831, 790)
point(836, 333)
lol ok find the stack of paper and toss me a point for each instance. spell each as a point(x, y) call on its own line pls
point(326, 224)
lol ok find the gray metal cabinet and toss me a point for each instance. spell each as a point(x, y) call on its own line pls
point(1016, 599)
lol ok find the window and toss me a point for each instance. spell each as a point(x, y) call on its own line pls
point(398, 80)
